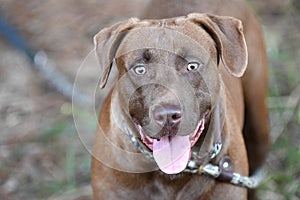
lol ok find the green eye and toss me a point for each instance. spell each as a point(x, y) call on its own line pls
point(140, 69)
point(192, 66)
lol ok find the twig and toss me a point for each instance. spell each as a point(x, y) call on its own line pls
point(281, 120)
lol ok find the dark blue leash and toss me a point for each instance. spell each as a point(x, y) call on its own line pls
point(14, 38)
point(39, 60)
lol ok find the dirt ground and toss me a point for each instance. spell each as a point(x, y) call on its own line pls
point(45, 142)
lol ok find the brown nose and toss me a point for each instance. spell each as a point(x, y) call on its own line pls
point(167, 115)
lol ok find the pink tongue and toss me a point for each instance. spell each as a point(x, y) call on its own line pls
point(172, 154)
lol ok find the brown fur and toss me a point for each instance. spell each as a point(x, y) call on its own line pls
point(244, 100)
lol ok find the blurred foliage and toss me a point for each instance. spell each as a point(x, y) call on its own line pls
point(284, 178)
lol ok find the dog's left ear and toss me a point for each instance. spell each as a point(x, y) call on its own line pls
point(228, 34)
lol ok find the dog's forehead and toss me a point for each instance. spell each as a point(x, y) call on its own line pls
point(172, 35)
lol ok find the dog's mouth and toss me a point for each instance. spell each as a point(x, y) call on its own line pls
point(172, 153)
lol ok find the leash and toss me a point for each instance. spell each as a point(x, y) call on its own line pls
point(224, 172)
point(41, 63)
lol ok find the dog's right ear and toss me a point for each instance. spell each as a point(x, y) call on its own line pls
point(106, 44)
point(230, 40)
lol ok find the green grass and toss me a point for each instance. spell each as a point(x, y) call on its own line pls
point(55, 130)
point(70, 167)
point(71, 158)
point(298, 115)
point(46, 189)
point(284, 173)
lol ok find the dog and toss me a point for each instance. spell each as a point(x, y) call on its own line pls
point(191, 85)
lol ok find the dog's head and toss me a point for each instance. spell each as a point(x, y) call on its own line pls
point(169, 80)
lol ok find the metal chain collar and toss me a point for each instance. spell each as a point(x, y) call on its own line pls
point(223, 172)
point(143, 150)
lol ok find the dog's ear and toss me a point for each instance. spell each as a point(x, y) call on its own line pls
point(227, 32)
point(106, 44)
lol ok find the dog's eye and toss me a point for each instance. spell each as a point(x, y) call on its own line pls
point(192, 66)
point(140, 69)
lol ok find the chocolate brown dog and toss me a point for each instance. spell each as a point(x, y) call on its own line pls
point(179, 98)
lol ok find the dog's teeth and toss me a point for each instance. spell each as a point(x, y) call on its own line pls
point(202, 124)
point(149, 138)
point(200, 127)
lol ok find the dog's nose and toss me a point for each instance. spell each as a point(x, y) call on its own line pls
point(167, 115)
